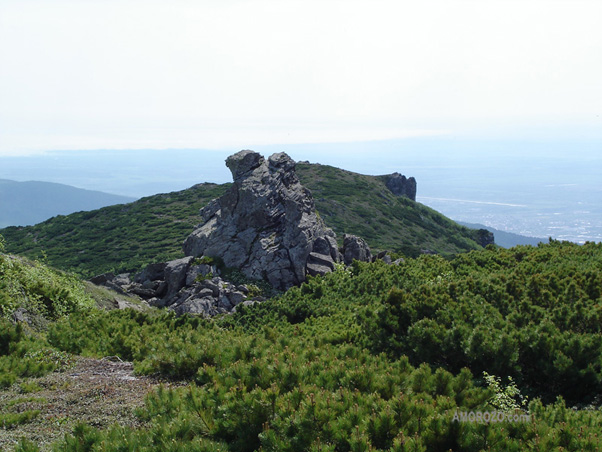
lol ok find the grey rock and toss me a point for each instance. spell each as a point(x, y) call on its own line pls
point(245, 303)
point(197, 270)
point(157, 302)
point(203, 306)
point(355, 248)
point(327, 245)
point(142, 292)
point(148, 284)
point(224, 302)
point(383, 256)
point(109, 280)
point(152, 272)
point(236, 297)
point(175, 275)
point(210, 210)
point(161, 289)
point(127, 304)
point(319, 264)
point(204, 293)
point(213, 285)
point(122, 290)
point(402, 186)
point(122, 279)
point(265, 224)
point(317, 269)
point(243, 162)
point(99, 280)
point(182, 295)
point(399, 261)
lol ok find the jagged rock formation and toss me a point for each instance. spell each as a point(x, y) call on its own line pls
point(265, 224)
point(401, 185)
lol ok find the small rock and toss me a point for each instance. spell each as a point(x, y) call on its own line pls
point(355, 248)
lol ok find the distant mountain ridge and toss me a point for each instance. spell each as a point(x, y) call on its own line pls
point(29, 203)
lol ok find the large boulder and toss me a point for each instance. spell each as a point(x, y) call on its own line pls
point(265, 224)
point(175, 275)
point(355, 248)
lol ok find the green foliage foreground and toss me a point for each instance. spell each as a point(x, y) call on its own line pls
point(375, 357)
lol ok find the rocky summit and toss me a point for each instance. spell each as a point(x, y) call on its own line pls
point(265, 225)
point(401, 185)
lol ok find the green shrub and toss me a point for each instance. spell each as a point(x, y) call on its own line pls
point(10, 420)
point(7, 379)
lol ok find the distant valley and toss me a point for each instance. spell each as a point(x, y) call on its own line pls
point(29, 203)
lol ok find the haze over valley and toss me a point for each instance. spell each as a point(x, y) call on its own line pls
point(550, 189)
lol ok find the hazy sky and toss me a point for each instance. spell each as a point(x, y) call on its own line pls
point(86, 74)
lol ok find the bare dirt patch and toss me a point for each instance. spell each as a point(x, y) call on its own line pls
point(97, 392)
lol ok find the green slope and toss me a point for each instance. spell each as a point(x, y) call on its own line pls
point(126, 237)
point(116, 238)
point(358, 204)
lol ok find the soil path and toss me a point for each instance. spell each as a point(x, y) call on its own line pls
point(97, 392)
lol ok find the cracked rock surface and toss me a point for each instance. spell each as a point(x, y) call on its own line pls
point(265, 224)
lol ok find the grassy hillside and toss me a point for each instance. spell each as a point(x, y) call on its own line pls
point(363, 205)
point(378, 357)
point(26, 203)
point(116, 238)
point(126, 237)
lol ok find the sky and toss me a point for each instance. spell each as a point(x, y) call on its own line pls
point(230, 75)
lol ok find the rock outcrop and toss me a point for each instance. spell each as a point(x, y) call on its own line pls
point(265, 224)
point(355, 248)
point(185, 286)
point(401, 185)
point(485, 237)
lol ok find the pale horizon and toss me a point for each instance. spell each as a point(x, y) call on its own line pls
point(233, 74)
